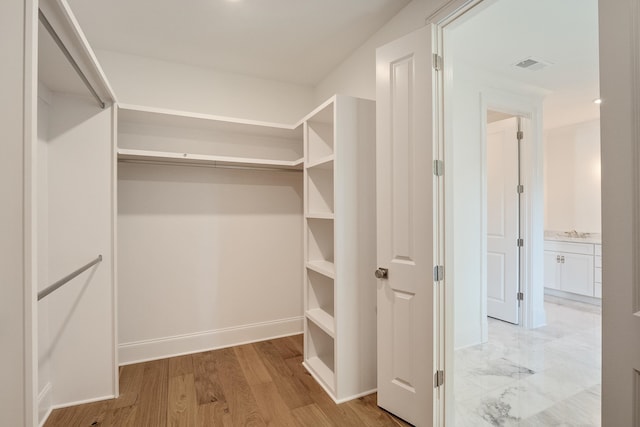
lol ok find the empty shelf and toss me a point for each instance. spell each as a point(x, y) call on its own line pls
point(321, 215)
point(323, 267)
point(322, 163)
point(202, 159)
point(320, 371)
point(323, 320)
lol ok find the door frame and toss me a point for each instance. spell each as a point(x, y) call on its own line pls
point(531, 209)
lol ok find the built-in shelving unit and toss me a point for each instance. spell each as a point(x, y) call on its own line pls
point(167, 136)
point(339, 205)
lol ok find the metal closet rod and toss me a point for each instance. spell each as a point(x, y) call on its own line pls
point(67, 54)
point(43, 293)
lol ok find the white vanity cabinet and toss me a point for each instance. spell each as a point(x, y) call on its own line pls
point(569, 267)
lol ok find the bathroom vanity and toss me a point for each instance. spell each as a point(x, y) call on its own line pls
point(573, 264)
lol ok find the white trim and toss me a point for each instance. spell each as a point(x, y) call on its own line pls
point(114, 246)
point(635, 28)
point(574, 297)
point(161, 348)
point(44, 404)
point(82, 402)
point(30, 212)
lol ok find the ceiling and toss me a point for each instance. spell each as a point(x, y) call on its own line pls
point(563, 33)
point(297, 41)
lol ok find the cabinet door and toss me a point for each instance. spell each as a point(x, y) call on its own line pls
point(577, 274)
point(551, 267)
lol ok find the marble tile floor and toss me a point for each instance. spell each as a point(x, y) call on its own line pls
point(548, 376)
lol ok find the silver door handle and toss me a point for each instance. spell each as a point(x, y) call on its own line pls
point(382, 273)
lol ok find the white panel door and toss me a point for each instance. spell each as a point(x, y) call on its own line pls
point(405, 227)
point(502, 220)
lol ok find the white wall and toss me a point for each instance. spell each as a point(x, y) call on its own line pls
point(207, 258)
point(572, 177)
point(150, 82)
point(356, 75)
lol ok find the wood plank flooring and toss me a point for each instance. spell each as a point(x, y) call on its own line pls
point(259, 384)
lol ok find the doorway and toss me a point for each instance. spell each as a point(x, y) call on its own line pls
point(493, 60)
point(501, 198)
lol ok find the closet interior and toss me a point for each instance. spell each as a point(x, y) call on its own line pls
point(73, 169)
point(206, 231)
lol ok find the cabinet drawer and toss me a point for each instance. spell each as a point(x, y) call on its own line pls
point(598, 249)
point(597, 275)
point(574, 248)
point(597, 261)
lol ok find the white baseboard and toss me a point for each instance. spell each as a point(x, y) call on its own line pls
point(160, 348)
point(44, 404)
point(83, 402)
point(575, 297)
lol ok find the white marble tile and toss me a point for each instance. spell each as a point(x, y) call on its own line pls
point(510, 404)
point(582, 409)
point(548, 376)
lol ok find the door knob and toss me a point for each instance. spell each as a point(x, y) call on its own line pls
point(382, 273)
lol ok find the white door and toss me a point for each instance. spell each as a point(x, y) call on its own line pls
point(502, 220)
point(405, 227)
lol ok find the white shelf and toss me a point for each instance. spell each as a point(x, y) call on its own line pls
point(325, 268)
point(321, 371)
point(202, 159)
point(323, 320)
point(321, 215)
point(183, 119)
point(322, 163)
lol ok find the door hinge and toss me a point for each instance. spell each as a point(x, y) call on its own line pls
point(437, 62)
point(520, 243)
point(438, 379)
point(520, 135)
point(438, 167)
point(520, 296)
point(520, 189)
point(438, 273)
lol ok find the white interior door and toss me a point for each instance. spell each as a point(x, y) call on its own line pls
point(502, 220)
point(405, 227)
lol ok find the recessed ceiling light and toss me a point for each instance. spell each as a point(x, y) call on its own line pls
point(597, 101)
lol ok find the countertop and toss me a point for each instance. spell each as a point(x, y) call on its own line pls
point(562, 236)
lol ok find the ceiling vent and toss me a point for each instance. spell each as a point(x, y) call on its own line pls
point(532, 64)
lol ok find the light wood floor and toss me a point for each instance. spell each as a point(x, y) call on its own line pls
point(260, 384)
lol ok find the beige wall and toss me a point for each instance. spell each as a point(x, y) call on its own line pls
point(155, 83)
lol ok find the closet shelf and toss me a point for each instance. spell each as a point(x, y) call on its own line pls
point(323, 320)
point(322, 163)
point(325, 268)
point(323, 373)
point(321, 215)
point(202, 159)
